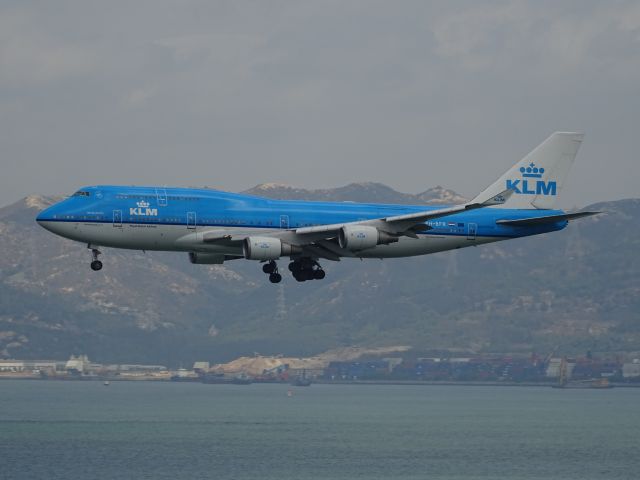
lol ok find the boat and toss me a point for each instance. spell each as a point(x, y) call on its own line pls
point(599, 384)
point(301, 380)
point(219, 379)
point(181, 378)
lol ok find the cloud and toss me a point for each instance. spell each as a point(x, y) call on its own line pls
point(539, 35)
point(139, 96)
point(477, 36)
point(313, 93)
point(28, 56)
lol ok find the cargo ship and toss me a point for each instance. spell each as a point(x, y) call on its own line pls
point(301, 380)
point(600, 383)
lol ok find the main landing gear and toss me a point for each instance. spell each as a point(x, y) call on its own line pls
point(95, 264)
point(302, 269)
point(305, 269)
point(271, 268)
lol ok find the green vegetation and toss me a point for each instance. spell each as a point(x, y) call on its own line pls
point(579, 288)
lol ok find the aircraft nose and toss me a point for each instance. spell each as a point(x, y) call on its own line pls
point(43, 216)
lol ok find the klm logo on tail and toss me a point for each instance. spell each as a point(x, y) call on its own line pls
point(530, 183)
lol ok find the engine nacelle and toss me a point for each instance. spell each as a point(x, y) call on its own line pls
point(361, 237)
point(267, 248)
point(206, 258)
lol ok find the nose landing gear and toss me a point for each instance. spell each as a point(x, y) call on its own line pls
point(95, 264)
point(271, 268)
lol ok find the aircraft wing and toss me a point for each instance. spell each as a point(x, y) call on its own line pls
point(320, 241)
point(404, 224)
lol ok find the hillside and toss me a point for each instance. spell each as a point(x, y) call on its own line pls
point(579, 288)
point(358, 192)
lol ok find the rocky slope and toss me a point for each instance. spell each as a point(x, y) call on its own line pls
point(579, 288)
point(358, 192)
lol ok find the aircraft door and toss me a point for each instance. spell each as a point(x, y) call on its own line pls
point(284, 221)
point(472, 230)
point(191, 220)
point(117, 218)
point(161, 193)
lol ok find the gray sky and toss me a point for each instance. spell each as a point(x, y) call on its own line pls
point(315, 94)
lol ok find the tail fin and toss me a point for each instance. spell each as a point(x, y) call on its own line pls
point(537, 179)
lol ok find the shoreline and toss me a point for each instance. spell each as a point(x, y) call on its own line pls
point(337, 382)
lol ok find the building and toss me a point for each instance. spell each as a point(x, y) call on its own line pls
point(79, 365)
point(201, 367)
point(32, 366)
point(631, 370)
point(555, 365)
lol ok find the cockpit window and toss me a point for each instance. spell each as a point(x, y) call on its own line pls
point(81, 193)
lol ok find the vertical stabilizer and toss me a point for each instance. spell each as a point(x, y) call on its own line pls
point(537, 179)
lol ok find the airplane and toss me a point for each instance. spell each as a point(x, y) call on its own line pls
point(214, 226)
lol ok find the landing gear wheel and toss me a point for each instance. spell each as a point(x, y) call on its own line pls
point(304, 269)
point(275, 278)
point(95, 263)
point(270, 267)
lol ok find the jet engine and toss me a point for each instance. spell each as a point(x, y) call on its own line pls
point(361, 237)
point(267, 248)
point(206, 258)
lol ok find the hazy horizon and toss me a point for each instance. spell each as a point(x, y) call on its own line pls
point(297, 187)
point(315, 94)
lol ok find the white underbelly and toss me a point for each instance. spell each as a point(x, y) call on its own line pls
point(180, 238)
point(137, 236)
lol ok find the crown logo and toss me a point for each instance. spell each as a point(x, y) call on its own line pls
point(142, 204)
point(532, 171)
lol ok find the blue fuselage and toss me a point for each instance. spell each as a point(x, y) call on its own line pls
point(145, 214)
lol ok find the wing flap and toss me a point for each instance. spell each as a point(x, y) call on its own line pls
point(526, 222)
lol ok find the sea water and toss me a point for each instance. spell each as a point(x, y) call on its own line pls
point(158, 430)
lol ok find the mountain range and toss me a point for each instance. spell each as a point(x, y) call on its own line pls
point(574, 290)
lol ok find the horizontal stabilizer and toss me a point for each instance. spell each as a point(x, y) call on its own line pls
point(526, 222)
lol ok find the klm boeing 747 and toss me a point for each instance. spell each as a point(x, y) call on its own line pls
point(214, 226)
